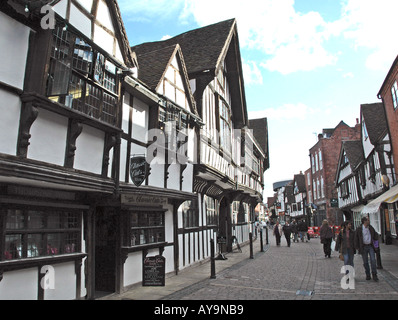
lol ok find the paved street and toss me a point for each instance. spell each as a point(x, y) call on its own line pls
point(283, 273)
point(300, 272)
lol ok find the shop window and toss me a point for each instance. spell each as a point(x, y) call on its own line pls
point(146, 228)
point(38, 233)
point(82, 78)
point(190, 214)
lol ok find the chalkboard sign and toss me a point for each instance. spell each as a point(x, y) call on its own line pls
point(154, 271)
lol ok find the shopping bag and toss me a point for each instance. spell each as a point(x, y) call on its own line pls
point(333, 245)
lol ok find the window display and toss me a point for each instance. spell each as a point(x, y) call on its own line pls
point(36, 233)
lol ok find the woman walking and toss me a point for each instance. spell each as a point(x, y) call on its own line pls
point(326, 235)
point(345, 243)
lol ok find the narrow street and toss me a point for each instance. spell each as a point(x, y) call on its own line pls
point(300, 272)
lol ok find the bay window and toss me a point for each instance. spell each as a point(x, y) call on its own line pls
point(81, 77)
point(225, 126)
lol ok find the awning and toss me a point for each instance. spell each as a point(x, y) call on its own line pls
point(389, 196)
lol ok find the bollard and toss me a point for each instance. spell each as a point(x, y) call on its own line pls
point(251, 245)
point(378, 258)
point(212, 260)
point(266, 236)
point(261, 241)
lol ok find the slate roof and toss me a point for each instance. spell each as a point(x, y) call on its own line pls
point(202, 47)
point(375, 121)
point(354, 152)
point(299, 179)
point(289, 194)
point(153, 65)
point(260, 132)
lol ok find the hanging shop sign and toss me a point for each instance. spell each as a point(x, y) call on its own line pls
point(138, 169)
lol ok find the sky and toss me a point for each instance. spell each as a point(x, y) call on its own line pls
point(308, 64)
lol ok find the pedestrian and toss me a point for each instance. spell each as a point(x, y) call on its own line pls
point(278, 232)
point(303, 230)
point(287, 231)
point(326, 235)
point(345, 243)
point(365, 235)
point(294, 231)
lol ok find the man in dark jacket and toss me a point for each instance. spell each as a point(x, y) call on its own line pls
point(287, 231)
point(365, 235)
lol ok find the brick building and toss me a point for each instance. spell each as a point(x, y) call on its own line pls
point(324, 156)
point(389, 95)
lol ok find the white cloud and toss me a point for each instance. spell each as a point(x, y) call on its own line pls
point(289, 41)
point(251, 73)
point(297, 111)
point(372, 25)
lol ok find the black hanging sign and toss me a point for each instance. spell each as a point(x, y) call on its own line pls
point(138, 169)
point(154, 271)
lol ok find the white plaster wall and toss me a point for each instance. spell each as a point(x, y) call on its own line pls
point(19, 285)
point(123, 159)
point(13, 58)
point(80, 21)
point(86, 4)
point(48, 141)
point(103, 39)
point(133, 268)
point(61, 7)
point(169, 225)
point(64, 283)
point(126, 112)
point(173, 182)
point(140, 120)
point(187, 182)
point(10, 109)
point(89, 150)
point(103, 16)
point(156, 178)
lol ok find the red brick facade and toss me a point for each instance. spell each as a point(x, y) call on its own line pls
point(391, 113)
point(324, 157)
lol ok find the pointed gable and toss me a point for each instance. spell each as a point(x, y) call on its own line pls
point(163, 70)
point(352, 152)
point(206, 50)
point(374, 119)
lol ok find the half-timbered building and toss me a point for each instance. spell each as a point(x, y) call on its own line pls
point(298, 207)
point(231, 162)
point(377, 171)
point(60, 93)
point(347, 180)
point(102, 158)
point(160, 123)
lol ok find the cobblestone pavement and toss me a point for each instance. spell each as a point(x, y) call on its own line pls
point(300, 272)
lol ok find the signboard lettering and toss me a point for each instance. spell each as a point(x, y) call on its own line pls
point(154, 271)
point(138, 170)
point(138, 199)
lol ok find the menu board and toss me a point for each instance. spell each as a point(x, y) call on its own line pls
point(154, 271)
